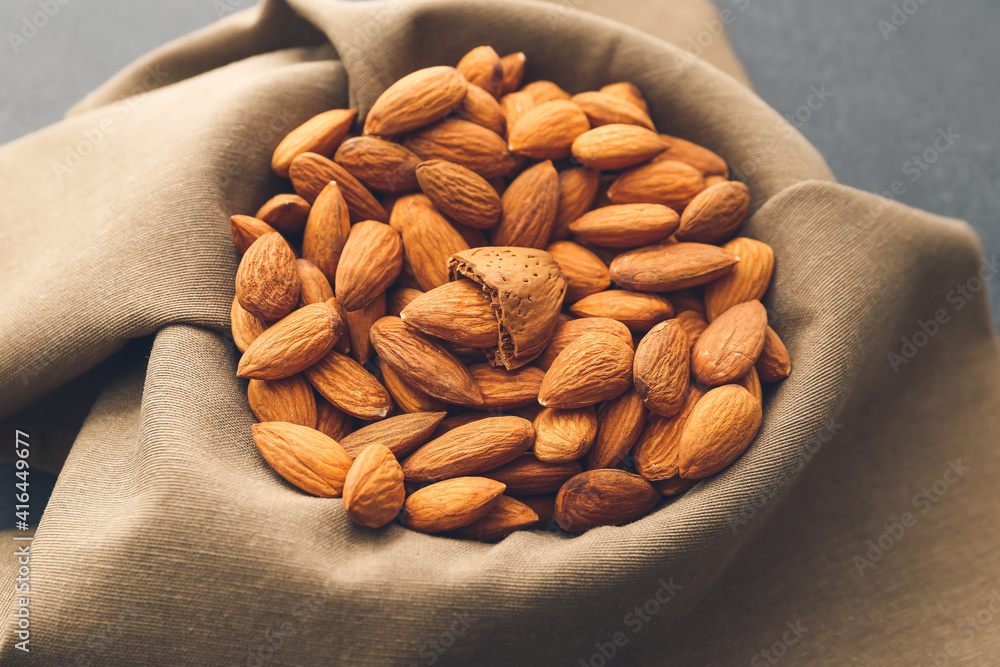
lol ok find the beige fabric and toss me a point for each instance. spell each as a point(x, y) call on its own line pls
point(168, 541)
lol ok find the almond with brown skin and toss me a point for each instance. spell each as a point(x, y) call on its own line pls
point(423, 362)
point(751, 382)
point(267, 282)
point(245, 327)
point(748, 280)
point(564, 435)
point(566, 332)
point(315, 287)
point(399, 299)
point(311, 173)
point(584, 271)
point(699, 157)
point(715, 213)
point(383, 166)
point(359, 324)
point(459, 312)
point(471, 449)
point(345, 383)
point(326, 231)
point(605, 497)
point(401, 434)
point(637, 311)
point(460, 193)
point(515, 105)
point(526, 475)
point(620, 422)
point(369, 264)
point(246, 229)
point(320, 134)
point(577, 190)
point(604, 109)
point(401, 209)
point(662, 368)
point(506, 390)
point(482, 67)
point(465, 143)
point(720, 428)
point(450, 504)
point(416, 100)
point(429, 241)
point(730, 345)
point(657, 448)
point(507, 516)
point(305, 457)
point(593, 368)
point(529, 208)
point(688, 298)
point(408, 397)
point(483, 109)
point(666, 182)
point(617, 146)
point(714, 179)
point(373, 488)
point(285, 212)
point(628, 92)
point(547, 131)
point(331, 420)
point(543, 91)
point(694, 325)
point(670, 266)
point(773, 364)
point(290, 400)
point(343, 343)
point(513, 71)
point(626, 225)
point(292, 344)
point(451, 423)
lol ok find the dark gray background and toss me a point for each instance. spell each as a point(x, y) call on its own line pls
point(890, 91)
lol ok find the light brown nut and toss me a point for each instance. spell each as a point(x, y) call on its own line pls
point(245, 327)
point(345, 383)
point(526, 475)
point(670, 266)
point(620, 422)
point(721, 426)
point(731, 344)
point(311, 173)
point(373, 489)
point(604, 109)
point(507, 516)
point(331, 420)
point(320, 134)
point(657, 448)
point(543, 91)
point(246, 229)
point(471, 449)
point(290, 399)
point(326, 231)
point(529, 208)
point(571, 329)
point(482, 67)
point(577, 191)
point(465, 143)
point(584, 271)
point(450, 504)
point(638, 311)
point(305, 457)
point(483, 109)
point(626, 225)
point(416, 100)
point(369, 264)
point(605, 497)
point(459, 312)
point(666, 182)
point(748, 279)
point(617, 146)
point(773, 364)
point(429, 240)
point(507, 390)
point(694, 325)
point(399, 299)
point(699, 157)
point(626, 91)
point(513, 71)
point(593, 368)
point(547, 131)
point(662, 368)
point(408, 397)
point(267, 282)
point(287, 213)
point(715, 213)
point(460, 193)
point(564, 435)
point(401, 434)
point(383, 166)
point(359, 325)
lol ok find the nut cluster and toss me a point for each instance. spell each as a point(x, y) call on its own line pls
point(501, 305)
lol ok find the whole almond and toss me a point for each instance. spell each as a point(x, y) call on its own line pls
point(400, 298)
point(408, 397)
point(483, 109)
point(292, 344)
point(570, 330)
point(748, 280)
point(620, 422)
point(694, 325)
point(773, 364)
point(584, 271)
point(401, 434)
point(287, 213)
point(543, 91)
point(628, 92)
point(515, 105)
point(662, 368)
point(326, 231)
point(638, 311)
point(460, 193)
point(348, 386)
point(593, 368)
point(547, 131)
point(401, 209)
point(331, 420)
point(373, 489)
point(470, 449)
point(604, 109)
point(617, 146)
point(529, 208)
point(369, 264)
point(320, 134)
point(577, 190)
point(429, 240)
point(513, 71)
point(267, 282)
point(506, 390)
point(507, 516)
point(604, 497)
point(730, 345)
point(359, 324)
point(715, 213)
point(290, 399)
point(450, 504)
point(670, 266)
point(719, 429)
point(564, 435)
point(626, 225)
point(305, 457)
point(657, 448)
point(482, 67)
point(311, 173)
point(751, 382)
point(459, 312)
point(416, 100)
point(383, 166)
point(666, 182)
point(699, 157)
point(423, 362)
point(465, 143)
point(315, 287)
point(245, 327)
point(526, 475)
point(246, 229)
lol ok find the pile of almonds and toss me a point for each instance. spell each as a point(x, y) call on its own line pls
point(496, 303)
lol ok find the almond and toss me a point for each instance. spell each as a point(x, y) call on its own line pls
point(604, 109)
point(748, 280)
point(593, 368)
point(730, 345)
point(320, 134)
point(773, 364)
point(626, 225)
point(694, 326)
point(666, 182)
point(290, 399)
point(305, 457)
point(401, 209)
point(359, 324)
point(564, 435)
point(267, 282)
point(529, 208)
point(245, 327)
point(513, 71)
point(315, 287)
point(482, 67)
point(451, 423)
point(424, 363)
point(370, 263)
point(715, 213)
point(326, 231)
point(662, 368)
point(310, 173)
point(345, 383)
point(483, 109)
point(506, 517)
point(637, 311)
point(584, 271)
point(429, 240)
point(292, 344)
point(670, 266)
point(400, 298)
point(751, 382)
point(699, 157)
point(617, 146)
point(459, 312)
point(526, 475)
point(285, 212)
point(577, 190)
point(465, 143)
point(628, 92)
point(505, 390)
point(460, 193)
point(547, 131)
point(657, 448)
point(515, 105)
point(719, 429)
point(714, 179)
point(470, 449)
point(373, 489)
point(605, 497)
point(674, 486)
point(416, 100)
point(401, 434)
point(450, 504)
point(620, 422)
point(566, 332)
point(383, 166)
point(245, 230)
point(543, 91)
point(688, 298)
point(331, 420)
point(408, 397)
